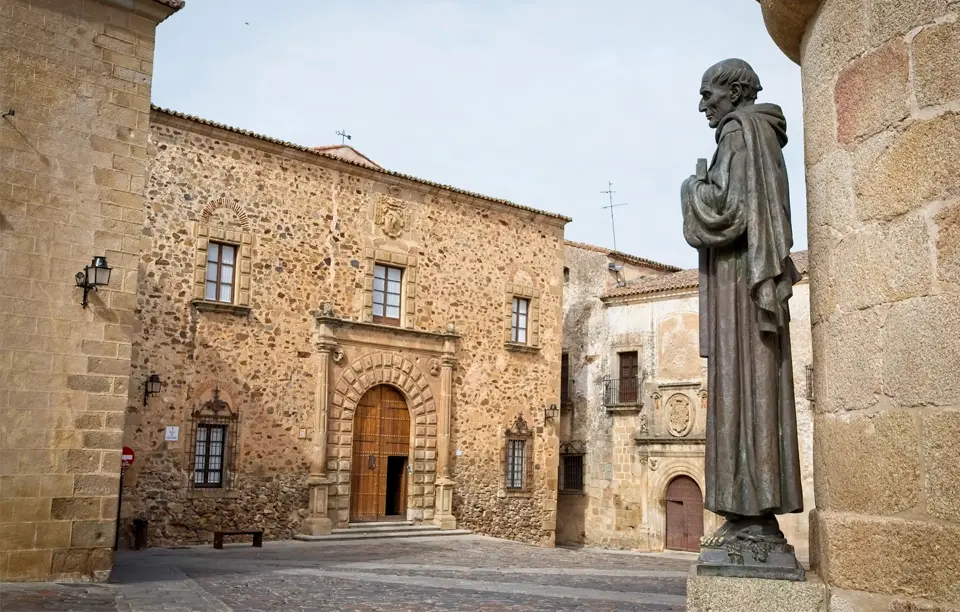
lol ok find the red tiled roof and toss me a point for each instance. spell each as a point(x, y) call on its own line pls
point(642, 261)
point(685, 279)
point(377, 169)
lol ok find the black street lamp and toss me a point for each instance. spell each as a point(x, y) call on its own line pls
point(94, 275)
point(550, 412)
point(151, 387)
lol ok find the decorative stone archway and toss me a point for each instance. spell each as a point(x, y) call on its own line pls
point(670, 468)
point(384, 368)
point(420, 365)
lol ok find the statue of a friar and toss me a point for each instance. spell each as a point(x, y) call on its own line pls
point(736, 213)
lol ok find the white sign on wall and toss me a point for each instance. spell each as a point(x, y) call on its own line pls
point(172, 434)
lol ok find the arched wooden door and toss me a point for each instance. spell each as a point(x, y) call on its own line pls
point(684, 514)
point(381, 446)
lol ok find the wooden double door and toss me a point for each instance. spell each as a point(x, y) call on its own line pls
point(381, 447)
point(684, 514)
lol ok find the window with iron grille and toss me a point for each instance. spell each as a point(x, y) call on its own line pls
point(516, 465)
point(386, 294)
point(518, 326)
point(571, 473)
point(564, 379)
point(212, 444)
point(208, 461)
point(221, 265)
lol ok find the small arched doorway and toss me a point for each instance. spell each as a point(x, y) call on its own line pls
point(684, 514)
point(381, 447)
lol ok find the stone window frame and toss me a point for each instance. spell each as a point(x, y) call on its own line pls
point(575, 448)
point(214, 412)
point(408, 283)
point(533, 317)
point(518, 432)
point(243, 241)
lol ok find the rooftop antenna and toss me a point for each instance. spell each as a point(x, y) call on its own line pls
point(613, 226)
point(344, 137)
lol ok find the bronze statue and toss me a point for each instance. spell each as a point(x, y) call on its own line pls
point(736, 213)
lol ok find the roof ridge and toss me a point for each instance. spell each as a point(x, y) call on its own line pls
point(613, 253)
point(379, 169)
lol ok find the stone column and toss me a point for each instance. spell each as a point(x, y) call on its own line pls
point(881, 88)
point(318, 523)
point(443, 515)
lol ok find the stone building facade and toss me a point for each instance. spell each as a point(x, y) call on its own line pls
point(75, 80)
point(881, 88)
point(637, 409)
point(299, 305)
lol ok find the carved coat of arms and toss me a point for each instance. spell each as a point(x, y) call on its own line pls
point(391, 216)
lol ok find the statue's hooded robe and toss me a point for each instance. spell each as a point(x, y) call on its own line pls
point(739, 221)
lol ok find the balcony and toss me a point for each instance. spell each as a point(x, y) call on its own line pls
point(622, 394)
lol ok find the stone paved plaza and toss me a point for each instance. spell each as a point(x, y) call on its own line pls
point(424, 574)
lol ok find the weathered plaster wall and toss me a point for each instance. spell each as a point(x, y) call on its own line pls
point(625, 482)
point(312, 226)
point(77, 76)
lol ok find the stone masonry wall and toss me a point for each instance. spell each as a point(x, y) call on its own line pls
point(881, 88)
point(73, 157)
point(311, 219)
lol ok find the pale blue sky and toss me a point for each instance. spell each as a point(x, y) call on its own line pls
point(538, 102)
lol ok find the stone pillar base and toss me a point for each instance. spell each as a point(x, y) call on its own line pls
point(445, 521)
point(316, 526)
point(722, 594)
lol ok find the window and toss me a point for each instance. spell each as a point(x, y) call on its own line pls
point(221, 262)
point(515, 464)
point(566, 274)
point(571, 473)
point(386, 294)
point(209, 455)
point(564, 379)
point(629, 377)
point(518, 327)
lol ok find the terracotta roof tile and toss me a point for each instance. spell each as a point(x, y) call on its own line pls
point(346, 152)
point(378, 169)
point(642, 261)
point(685, 279)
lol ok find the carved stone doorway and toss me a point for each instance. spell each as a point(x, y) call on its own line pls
point(684, 514)
point(381, 448)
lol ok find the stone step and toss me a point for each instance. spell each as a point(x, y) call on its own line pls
point(379, 523)
point(386, 528)
point(366, 535)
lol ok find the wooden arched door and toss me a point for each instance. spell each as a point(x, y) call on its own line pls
point(684, 514)
point(381, 446)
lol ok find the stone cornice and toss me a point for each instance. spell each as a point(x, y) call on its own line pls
point(786, 21)
point(156, 10)
point(387, 329)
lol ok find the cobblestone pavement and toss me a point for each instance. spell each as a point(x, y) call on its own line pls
point(425, 574)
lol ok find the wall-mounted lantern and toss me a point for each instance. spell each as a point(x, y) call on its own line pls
point(93, 276)
point(550, 412)
point(151, 387)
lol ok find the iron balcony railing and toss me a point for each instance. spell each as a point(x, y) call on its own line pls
point(620, 391)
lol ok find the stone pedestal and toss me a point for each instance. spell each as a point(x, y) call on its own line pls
point(723, 594)
point(318, 523)
point(443, 517)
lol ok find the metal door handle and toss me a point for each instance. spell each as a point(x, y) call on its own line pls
point(372, 462)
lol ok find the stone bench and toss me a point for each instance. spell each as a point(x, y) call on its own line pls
point(218, 537)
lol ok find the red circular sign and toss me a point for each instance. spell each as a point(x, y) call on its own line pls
point(126, 456)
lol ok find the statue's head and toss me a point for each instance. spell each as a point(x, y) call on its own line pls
point(727, 86)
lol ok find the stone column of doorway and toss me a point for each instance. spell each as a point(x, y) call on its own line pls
point(444, 499)
point(881, 89)
point(318, 523)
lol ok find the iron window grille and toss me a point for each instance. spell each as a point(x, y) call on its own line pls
point(571, 473)
point(387, 283)
point(212, 444)
point(518, 455)
point(565, 382)
point(221, 268)
point(518, 324)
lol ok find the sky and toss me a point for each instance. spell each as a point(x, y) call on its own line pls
point(537, 102)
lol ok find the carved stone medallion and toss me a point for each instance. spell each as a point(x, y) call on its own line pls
point(679, 415)
point(391, 216)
